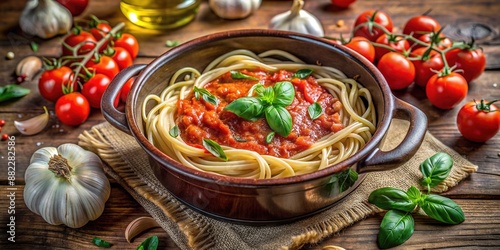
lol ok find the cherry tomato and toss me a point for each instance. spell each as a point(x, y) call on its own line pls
point(343, 3)
point(419, 25)
point(85, 39)
point(76, 7)
point(52, 82)
point(94, 88)
point(427, 66)
point(126, 89)
point(445, 92)
point(105, 65)
point(376, 16)
point(72, 109)
point(128, 42)
point(478, 121)
point(5, 137)
point(398, 71)
point(397, 43)
point(122, 57)
point(472, 62)
point(99, 32)
point(2, 123)
point(363, 47)
point(439, 41)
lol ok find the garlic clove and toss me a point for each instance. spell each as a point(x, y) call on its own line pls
point(33, 125)
point(28, 67)
point(138, 226)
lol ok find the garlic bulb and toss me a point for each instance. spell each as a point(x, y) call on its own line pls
point(66, 185)
point(234, 9)
point(45, 18)
point(33, 125)
point(297, 20)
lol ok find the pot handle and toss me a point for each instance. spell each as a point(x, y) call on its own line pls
point(386, 160)
point(111, 114)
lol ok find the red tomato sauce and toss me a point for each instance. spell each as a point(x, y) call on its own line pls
point(198, 119)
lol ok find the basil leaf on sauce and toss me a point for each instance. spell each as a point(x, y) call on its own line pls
point(215, 149)
point(100, 242)
point(150, 243)
point(269, 137)
point(249, 108)
point(207, 96)
point(12, 91)
point(279, 119)
point(302, 73)
point(174, 131)
point(284, 93)
point(314, 110)
point(238, 75)
point(396, 228)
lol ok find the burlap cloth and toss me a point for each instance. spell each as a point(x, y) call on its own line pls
point(127, 163)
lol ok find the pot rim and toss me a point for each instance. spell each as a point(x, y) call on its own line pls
point(172, 165)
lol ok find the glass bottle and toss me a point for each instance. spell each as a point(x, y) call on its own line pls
point(160, 14)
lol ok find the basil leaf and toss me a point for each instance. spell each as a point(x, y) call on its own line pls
point(302, 73)
point(34, 46)
point(215, 149)
point(238, 75)
point(396, 228)
point(248, 108)
point(392, 198)
point(414, 194)
point(100, 242)
point(171, 43)
point(255, 88)
point(174, 131)
point(150, 243)
point(279, 119)
point(269, 137)
point(435, 169)
point(12, 91)
point(207, 96)
point(314, 110)
point(284, 93)
point(442, 209)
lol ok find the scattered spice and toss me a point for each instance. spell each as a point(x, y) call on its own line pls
point(34, 46)
point(10, 55)
point(340, 23)
point(171, 43)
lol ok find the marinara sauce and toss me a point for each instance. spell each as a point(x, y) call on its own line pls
point(198, 119)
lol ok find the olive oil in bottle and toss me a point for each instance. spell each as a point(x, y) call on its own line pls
point(160, 14)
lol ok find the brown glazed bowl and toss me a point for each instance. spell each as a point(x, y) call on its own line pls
point(257, 201)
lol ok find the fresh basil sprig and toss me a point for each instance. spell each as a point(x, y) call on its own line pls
point(397, 225)
point(100, 242)
point(206, 95)
point(150, 243)
point(270, 102)
point(12, 91)
point(215, 149)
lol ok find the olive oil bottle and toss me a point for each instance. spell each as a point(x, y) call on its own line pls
point(160, 14)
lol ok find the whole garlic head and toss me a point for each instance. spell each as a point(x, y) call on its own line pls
point(234, 9)
point(297, 20)
point(45, 18)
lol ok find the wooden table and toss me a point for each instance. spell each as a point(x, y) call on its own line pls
point(478, 195)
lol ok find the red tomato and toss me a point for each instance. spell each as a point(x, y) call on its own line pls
point(445, 92)
point(126, 89)
point(425, 67)
point(76, 7)
point(94, 88)
point(343, 3)
point(52, 82)
point(420, 25)
point(478, 122)
point(363, 47)
point(99, 32)
point(85, 39)
point(397, 43)
point(122, 57)
point(106, 65)
point(376, 16)
point(439, 41)
point(128, 42)
point(471, 61)
point(72, 109)
point(398, 71)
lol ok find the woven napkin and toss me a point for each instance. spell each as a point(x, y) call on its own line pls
point(127, 163)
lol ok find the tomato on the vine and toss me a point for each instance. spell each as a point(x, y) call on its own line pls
point(446, 91)
point(128, 42)
point(104, 65)
point(126, 89)
point(94, 88)
point(398, 71)
point(419, 25)
point(99, 31)
point(83, 39)
point(399, 44)
point(427, 66)
point(370, 31)
point(53, 81)
point(121, 57)
point(343, 3)
point(363, 47)
point(439, 41)
point(478, 121)
point(72, 109)
point(471, 62)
